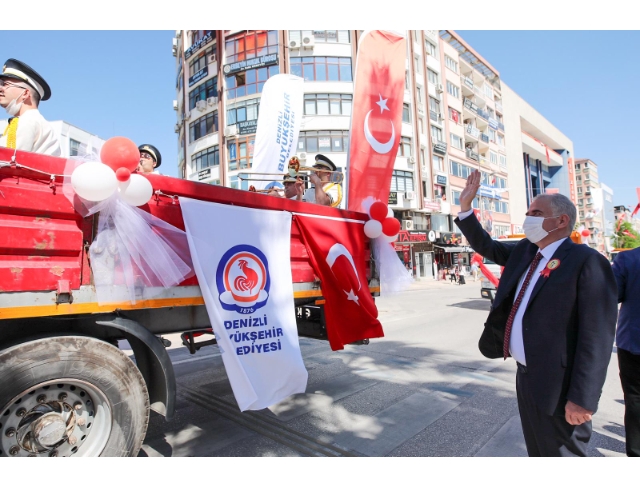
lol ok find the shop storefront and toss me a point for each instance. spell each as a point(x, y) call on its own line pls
point(415, 250)
point(450, 252)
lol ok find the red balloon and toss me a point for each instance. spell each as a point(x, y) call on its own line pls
point(120, 152)
point(378, 211)
point(123, 174)
point(586, 233)
point(390, 227)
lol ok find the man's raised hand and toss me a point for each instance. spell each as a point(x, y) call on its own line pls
point(469, 191)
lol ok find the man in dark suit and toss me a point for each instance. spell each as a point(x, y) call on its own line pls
point(555, 313)
point(626, 268)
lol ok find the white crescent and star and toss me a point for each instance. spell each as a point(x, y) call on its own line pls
point(336, 251)
point(379, 147)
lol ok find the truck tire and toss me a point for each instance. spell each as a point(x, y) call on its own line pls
point(70, 396)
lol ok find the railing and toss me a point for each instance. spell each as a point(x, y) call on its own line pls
point(434, 116)
point(472, 155)
point(472, 131)
point(501, 126)
point(482, 114)
point(469, 105)
point(467, 81)
point(484, 137)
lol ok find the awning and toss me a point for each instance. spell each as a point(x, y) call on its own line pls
point(453, 249)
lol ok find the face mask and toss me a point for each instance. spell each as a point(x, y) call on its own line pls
point(13, 108)
point(533, 228)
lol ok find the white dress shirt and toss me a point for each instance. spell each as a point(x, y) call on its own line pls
point(34, 134)
point(516, 343)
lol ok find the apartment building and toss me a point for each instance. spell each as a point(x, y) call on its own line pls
point(590, 201)
point(455, 119)
point(608, 217)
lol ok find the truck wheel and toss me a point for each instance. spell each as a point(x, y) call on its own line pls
point(70, 396)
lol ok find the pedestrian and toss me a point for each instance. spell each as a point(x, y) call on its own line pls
point(21, 91)
point(474, 271)
point(150, 159)
point(556, 301)
point(626, 268)
point(452, 275)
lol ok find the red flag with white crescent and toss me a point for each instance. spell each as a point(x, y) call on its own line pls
point(338, 256)
point(376, 119)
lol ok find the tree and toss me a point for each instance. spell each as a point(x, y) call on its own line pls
point(626, 237)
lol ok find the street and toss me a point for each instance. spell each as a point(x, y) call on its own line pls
point(422, 390)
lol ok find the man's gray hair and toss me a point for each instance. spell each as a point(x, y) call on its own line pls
point(561, 205)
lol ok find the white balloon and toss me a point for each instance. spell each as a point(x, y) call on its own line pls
point(390, 213)
point(373, 229)
point(138, 192)
point(94, 181)
point(122, 185)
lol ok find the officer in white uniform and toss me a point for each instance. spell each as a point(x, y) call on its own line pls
point(21, 90)
point(323, 191)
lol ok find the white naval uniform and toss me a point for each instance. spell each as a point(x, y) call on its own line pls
point(333, 190)
point(34, 134)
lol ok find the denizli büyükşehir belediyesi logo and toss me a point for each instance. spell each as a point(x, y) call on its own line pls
point(243, 279)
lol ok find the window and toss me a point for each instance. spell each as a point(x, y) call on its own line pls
point(74, 148)
point(205, 158)
point(416, 60)
point(419, 94)
point(406, 114)
point(500, 139)
point(432, 76)
point(198, 35)
point(577, 167)
point(434, 106)
point(579, 189)
point(460, 170)
point(503, 160)
point(402, 181)
point(241, 153)
point(243, 111)
point(406, 80)
point(578, 178)
point(436, 133)
point(327, 36)
point(251, 45)
point(323, 141)
point(327, 104)
point(493, 157)
point(404, 149)
point(455, 115)
point(322, 68)
point(580, 202)
point(450, 63)
point(203, 91)
point(500, 230)
point(438, 163)
point(200, 60)
point(249, 82)
point(453, 90)
point(501, 207)
point(586, 165)
point(492, 134)
point(455, 196)
point(488, 92)
point(581, 214)
point(205, 125)
point(456, 141)
point(430, 48)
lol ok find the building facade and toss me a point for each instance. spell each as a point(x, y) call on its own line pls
point(75, 142)
point(454, 121)
point(608, 217)
point(590, 201)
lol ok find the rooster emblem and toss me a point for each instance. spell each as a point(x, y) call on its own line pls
point(247, 281)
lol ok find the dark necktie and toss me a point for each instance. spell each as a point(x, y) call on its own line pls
point(516, 304)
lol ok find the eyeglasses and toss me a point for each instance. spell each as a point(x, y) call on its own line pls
point(8, 84)
point(144, 155)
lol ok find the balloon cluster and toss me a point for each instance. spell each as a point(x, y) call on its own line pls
point(97, 181)
point(382, 223)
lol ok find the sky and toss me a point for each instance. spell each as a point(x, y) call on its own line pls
point(123, 83)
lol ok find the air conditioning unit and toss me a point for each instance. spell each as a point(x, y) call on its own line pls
point(231, 131)
point(174, 48)
point(410, 195)
point(175, 104)
point(201, 105)
point(308, 41)
point(212, 100)
point(177, 128)
point(302, 156)
point(186, 115)
point(407, 224)
point(294, 44)
point(211, 58)
point(439, 88)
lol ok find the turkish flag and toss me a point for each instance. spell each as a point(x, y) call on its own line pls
point(338, 256)
point(376, 118)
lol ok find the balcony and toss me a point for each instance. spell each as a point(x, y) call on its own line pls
point(500, 126)
point(482, 114)
point(470, 106)
point(439, 147)
point(435, 116)
point(499, 107)
point(472, 131)
point(472, 155)
point(484, 138)
point(467, 81)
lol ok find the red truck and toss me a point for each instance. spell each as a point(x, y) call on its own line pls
point(65, 386)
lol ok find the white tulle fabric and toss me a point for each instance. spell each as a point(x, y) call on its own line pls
point(135, 255)
point(394, 276)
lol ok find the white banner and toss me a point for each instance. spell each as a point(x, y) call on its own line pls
point(278, 126)
point(242, 259)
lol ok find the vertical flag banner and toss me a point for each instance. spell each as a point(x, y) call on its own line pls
point(337, 252)
point(376, 119)
point(278, 125)
point(242, 259)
